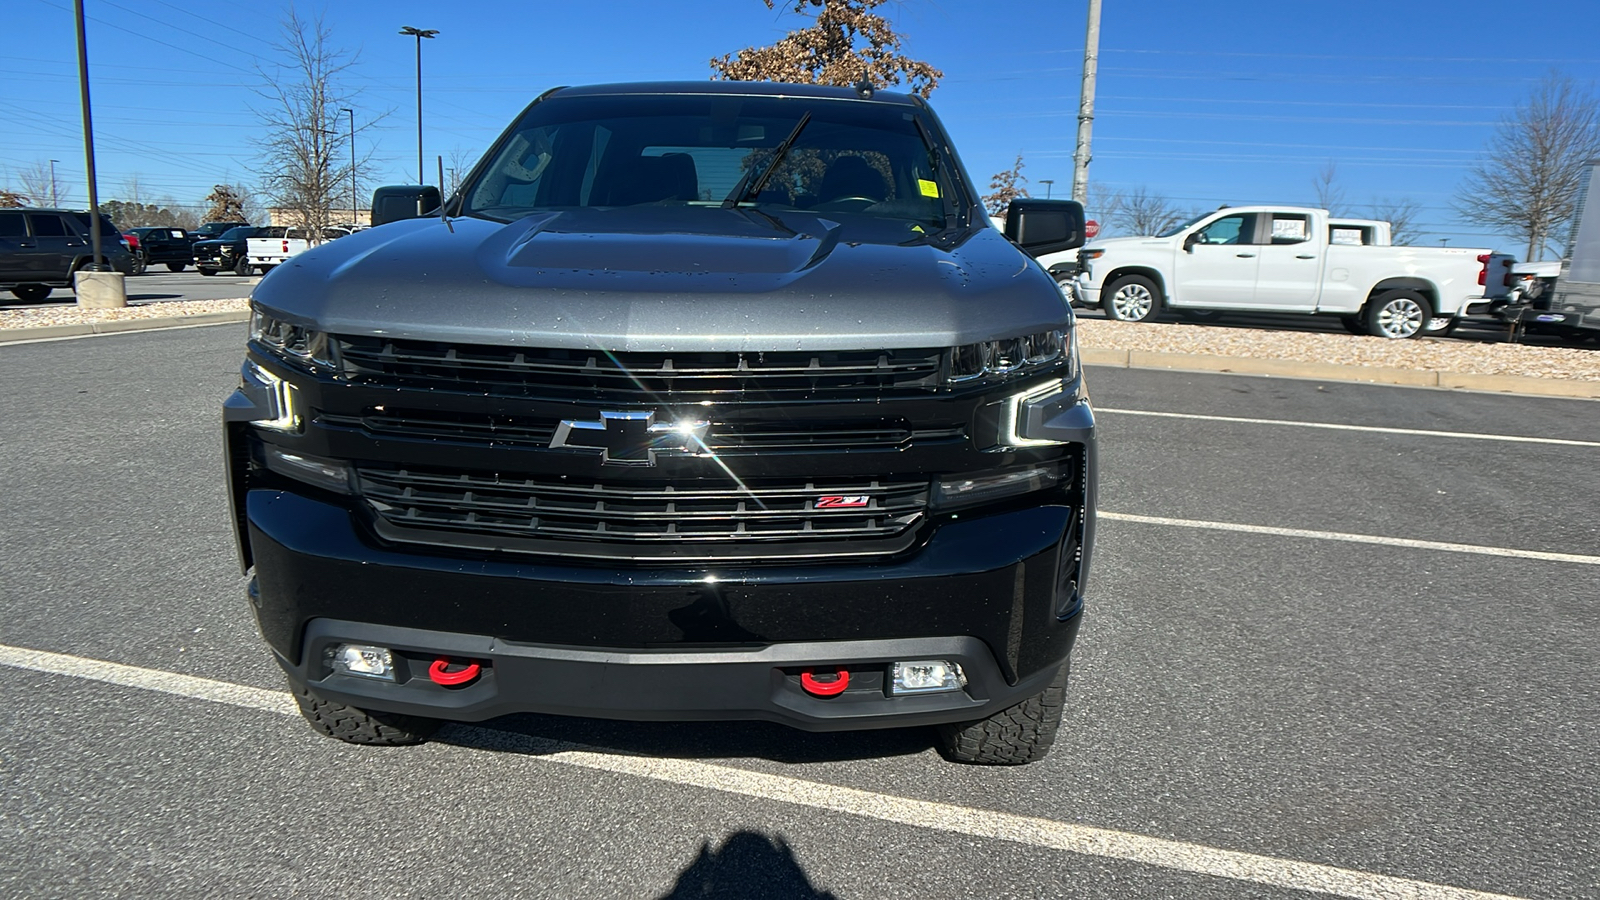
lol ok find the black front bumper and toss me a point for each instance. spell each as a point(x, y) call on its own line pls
point(995, 593)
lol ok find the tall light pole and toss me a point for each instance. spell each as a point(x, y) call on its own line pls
point(1047, 182)
point(355, 207)
point(53, 199)
point(88, 144)
point(1091, 64)
point(419, 34)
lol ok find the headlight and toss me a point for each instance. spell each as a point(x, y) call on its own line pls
point(1011, 357)
point(294, 343)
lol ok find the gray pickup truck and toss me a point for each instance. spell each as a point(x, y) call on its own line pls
point(698, 401)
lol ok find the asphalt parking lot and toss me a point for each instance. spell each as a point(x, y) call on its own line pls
point(1354, 661)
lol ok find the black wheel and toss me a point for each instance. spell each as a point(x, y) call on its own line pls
point(1132, 298)
point(242, 267)
point(31, 293)
point(358, 726)
point(1397, 314)
point(205, 271)
point(139, 264)
point(1013, 736)
point(176, 267)
point(1353, 324)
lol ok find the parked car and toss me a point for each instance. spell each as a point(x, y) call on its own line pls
point(230, 252)
point(711, 400)
point(213, 230)
point(172, 247)
point(1286, 260)
point(41, 248)
point(132, 241)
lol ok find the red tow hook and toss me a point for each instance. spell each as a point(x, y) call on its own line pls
point(825, 684)
point(441, 674)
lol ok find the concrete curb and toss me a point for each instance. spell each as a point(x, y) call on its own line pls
point(116, 326)
point(1288, 368)
point(1122, 359)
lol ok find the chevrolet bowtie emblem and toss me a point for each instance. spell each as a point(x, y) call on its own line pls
point(628, 438)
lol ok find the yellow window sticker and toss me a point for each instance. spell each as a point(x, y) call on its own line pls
point(929, 188)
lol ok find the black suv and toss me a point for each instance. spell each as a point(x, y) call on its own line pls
point(170, 246)
point(708, 400)
point(41, 248)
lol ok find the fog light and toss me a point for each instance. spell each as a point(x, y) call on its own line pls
point(926, 676)
point(362, 659)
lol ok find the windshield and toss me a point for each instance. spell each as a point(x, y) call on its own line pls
point(239, 234)
point(708, 150)
point(1179, 227)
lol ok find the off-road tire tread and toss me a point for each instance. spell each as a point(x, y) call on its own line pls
point(1014, 736)
point(359, 726)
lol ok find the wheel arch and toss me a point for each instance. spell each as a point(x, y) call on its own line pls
point(1153, 274)
point(1423, 286)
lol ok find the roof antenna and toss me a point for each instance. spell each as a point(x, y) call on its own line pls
point(864, 88)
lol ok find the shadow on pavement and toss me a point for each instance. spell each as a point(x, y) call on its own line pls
point(541, 735)
point(748, 864)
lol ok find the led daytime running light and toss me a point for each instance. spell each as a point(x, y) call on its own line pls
point(1009, 356)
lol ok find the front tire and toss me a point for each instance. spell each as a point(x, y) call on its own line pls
point(242, 267)
point(1132, 298)
point(31, 293)
point(1014, 736)
point(359, 726)
point(1397, 315)
point(205, 271)
point(176, 267)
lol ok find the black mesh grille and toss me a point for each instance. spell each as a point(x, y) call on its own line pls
point(549, 509)
point(641, 377)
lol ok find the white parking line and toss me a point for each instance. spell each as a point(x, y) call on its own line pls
point(1465, 435)
point(1355, 538)
point(1036, 832)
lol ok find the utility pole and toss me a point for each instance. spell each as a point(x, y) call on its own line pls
point(54, 200)
point(355, 206)
point(419, 34)
point(96, 284)
point(1091, 61)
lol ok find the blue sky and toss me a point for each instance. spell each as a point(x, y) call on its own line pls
point(1235, 103)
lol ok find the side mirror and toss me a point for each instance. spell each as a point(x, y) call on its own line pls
point(395, 202)
point(1045, 226)
point(1194, 237)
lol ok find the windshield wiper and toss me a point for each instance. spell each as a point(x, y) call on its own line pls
point(744, 190)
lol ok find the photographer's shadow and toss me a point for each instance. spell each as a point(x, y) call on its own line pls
point(747, 864)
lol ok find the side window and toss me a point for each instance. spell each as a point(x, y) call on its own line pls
point(1290, 228)
point(47, 225)
point(1238, 229)
point(12, 226)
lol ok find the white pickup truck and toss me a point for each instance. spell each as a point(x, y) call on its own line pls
point(278, 244)
point(1284, 259)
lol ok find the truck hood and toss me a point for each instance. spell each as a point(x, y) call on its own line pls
point(667, 279)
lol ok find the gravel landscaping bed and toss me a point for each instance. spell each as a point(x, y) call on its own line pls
point(1429, 355)
point(71, 315)
point(1421, 354)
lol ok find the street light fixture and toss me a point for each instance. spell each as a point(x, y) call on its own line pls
point(419, 34)
point(355, 206)
point(1047, 182)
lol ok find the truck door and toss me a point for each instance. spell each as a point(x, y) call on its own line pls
point(56, 244)
point(18, 251)
point(1291, 263)
point(1219, 267)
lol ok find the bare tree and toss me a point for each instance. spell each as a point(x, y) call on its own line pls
point(1007, 186)
point(1101, 205)
point(10, 199)
point(1402, 218)
point(40, 183)
point(1142, 212)
point(1528, 179)
point(456, 167)
point(301, 156)
point(846, 42)
point(1329, 195)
